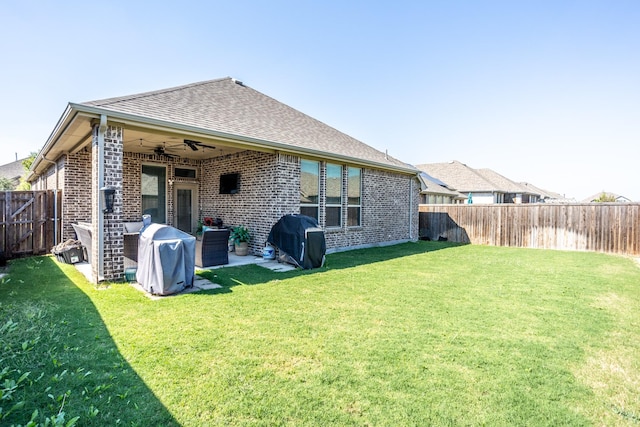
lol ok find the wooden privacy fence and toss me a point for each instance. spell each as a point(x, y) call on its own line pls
point(599, 227)
point(28, 221)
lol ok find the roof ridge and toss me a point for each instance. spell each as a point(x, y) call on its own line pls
point(117, 99)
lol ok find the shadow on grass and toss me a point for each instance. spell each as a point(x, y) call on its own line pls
point(229, 277)
point(56, 334)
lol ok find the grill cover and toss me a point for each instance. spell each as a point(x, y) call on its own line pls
point(301, 239)
point(166, 259)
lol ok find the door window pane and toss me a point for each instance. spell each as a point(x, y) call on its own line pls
point(183, 207)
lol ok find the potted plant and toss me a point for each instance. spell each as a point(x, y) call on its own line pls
point(241, 237)
point(207, 221)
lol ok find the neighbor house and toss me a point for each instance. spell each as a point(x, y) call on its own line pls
point(434, 191)
point(606, 196)
point(545, 196)
point(12, 172)
point(219, 149)
point(482, 186)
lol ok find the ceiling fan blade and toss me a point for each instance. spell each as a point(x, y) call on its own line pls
point(195, 144)
point(192, 144)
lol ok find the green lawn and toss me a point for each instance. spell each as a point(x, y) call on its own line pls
point(425, 333)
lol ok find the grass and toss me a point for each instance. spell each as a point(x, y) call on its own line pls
point(425, 333)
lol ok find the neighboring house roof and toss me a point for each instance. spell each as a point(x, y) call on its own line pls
point(13, 170)
point(223, 110)
point(502, 182)
point(596, 197)
point(434, 186)
point(459, 176)
point(544, 194)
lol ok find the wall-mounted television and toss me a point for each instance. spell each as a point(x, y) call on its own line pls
point(229, 183)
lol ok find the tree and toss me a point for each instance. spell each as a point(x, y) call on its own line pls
point(26, 164)
point(605, 197)
point(6, 184)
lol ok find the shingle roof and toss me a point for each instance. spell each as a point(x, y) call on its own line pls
point(544, 194)
point(503, 183)
point(230, 107)
point(435, 186)
point(13, 170)
point(458, 176)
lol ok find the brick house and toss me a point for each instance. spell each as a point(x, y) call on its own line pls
point(224, 150)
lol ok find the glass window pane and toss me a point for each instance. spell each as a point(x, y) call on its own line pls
point(354, 200)
point(333, 216)
point(311, 211)
point(154, 197)
point(334, 184)
point(354, 186)
point(309, 188)
point(353, 216)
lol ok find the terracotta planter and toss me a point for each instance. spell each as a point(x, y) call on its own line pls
point(242, 248)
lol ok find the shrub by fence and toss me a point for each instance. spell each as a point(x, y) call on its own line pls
point(599, 227)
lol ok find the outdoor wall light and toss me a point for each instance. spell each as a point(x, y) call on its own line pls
point(107, 197)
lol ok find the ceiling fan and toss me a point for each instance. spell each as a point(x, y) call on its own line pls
point(196, 145)
point(171, 150)
point(160, 151)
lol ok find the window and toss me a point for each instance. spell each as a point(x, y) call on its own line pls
point(309, 187)
point(154, 193)
point(333, 207)
point(229, 183)
point(185, 173)
point(354, 200)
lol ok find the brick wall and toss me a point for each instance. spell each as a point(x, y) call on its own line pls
point(76, 204)
point(50, 179)
point(132, 178)
point(113, 244)
point(269, 188)
point(385, 211)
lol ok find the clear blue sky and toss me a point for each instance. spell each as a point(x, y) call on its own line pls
point(546, 92)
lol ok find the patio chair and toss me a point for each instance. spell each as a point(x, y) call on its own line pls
point(131, 237)
point(213, 248)
point(83, 233)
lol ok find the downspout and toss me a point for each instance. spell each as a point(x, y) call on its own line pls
point(101, 131)
point(55, 201)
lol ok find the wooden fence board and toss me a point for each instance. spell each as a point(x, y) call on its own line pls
point(28, 222)
point(599, 227)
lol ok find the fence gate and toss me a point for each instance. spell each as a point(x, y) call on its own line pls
point(29, 222)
